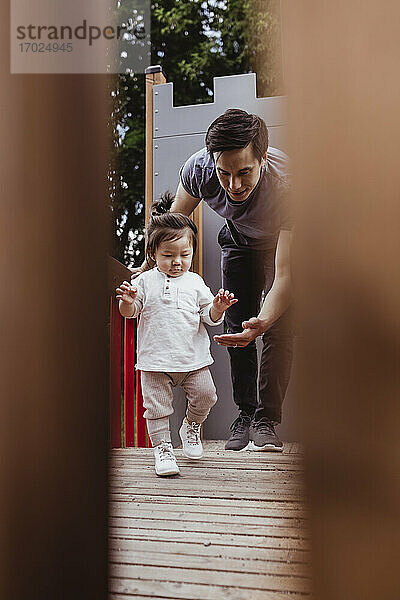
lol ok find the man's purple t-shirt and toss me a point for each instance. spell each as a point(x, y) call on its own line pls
point(258, 219)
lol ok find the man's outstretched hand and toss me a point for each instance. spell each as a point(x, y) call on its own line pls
point(251, 329)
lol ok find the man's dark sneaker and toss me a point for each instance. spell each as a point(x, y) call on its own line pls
point(240, 433)
point(263, 436)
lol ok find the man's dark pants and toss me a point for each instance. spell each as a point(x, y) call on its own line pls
point(248, 271)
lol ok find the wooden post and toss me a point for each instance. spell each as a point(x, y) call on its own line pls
point(117, 272)
point(115, 375)
point(197, 217)
point(154, 76)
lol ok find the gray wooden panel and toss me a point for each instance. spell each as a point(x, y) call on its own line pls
point(170, 153)
point(179, 132)
point(235, 91)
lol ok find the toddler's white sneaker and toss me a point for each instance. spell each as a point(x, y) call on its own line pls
point(165, 459)
point(190, 436)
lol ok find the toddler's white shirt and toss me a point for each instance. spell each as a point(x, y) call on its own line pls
point(171, 334)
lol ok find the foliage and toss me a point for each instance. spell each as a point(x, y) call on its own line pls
point(194, 41)
point(251, 37)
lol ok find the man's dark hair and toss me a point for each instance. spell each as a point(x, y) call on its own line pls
point(236, 129)
point(165, 226)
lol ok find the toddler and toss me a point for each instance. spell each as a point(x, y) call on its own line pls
point(173, 344)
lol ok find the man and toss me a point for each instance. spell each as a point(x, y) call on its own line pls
point(246, 183)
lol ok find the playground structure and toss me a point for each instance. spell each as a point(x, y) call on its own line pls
point(173, 133)
point(233, 524)
point(54, 378)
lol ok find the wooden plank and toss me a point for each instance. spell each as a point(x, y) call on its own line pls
point(271, 483)
point(197, 548)
point(184, 591)
point(229, 470)
point(205, 463)
point(205, 517)
point(232, 510)
point(241, 472)
point(212, 495)
point(197, 470)
point(209, 577)
point(200, 470)
point(210, 538)
point(201, 527)
point(231, 565)
point(271, 489)
point(218, 494)
point(194, 491)
point(197, 474)
point(239, 503)
point(204, 479)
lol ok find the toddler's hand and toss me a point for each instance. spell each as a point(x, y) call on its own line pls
point(223, 300)
point(126, 293)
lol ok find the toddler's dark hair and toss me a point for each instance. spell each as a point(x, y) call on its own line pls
point(165, 226)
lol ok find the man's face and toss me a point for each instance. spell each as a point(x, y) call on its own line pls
point(238, 171)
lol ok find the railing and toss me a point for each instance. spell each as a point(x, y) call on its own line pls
point(127, 425)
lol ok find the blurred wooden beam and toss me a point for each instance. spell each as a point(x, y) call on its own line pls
point(54, 309)
point(344, 90)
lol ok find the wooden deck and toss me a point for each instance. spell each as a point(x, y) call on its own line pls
point(231, 526)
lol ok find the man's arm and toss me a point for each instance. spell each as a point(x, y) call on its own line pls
point(184, 203)
point(276, 301)
point(278, 298)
